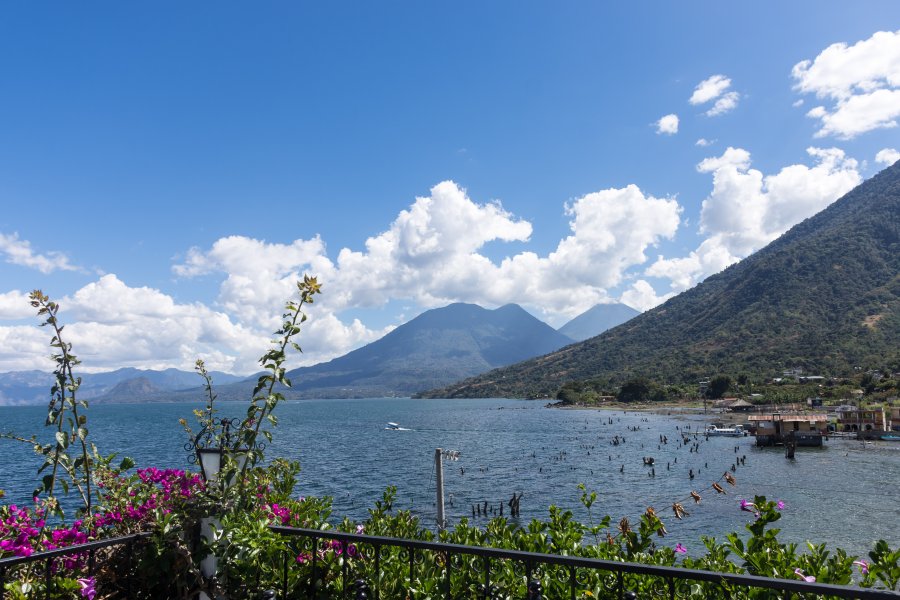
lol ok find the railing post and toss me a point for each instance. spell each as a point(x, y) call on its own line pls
point(447, 577)
point(284, 572)
point(535, 590)
point(344, 569)
point(362, 589)
point(412, 570)
point(315, 570)
point(132, 572)
point(47, 578)
point(377, 571)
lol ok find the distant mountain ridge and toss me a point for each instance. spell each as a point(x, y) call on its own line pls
point(596, 320)
point(33, 387)
point(436, 348)
point(825, 296)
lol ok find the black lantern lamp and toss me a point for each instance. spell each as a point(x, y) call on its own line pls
point(210, 458)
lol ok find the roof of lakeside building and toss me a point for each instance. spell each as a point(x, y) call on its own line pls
point(788, 418)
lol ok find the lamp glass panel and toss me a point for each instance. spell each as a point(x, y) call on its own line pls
point(210, 462)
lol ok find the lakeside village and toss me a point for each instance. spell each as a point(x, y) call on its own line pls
point(779, 415)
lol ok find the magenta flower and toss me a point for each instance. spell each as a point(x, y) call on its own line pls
point(806, 578)
point(680, 549)
point(863, 566)
point(780, 505)
point(87, 588)
point(747, 506)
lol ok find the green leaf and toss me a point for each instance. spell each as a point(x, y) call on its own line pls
point(126, 463)
point(62, 438)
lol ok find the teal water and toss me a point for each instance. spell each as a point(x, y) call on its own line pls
point(844, 494)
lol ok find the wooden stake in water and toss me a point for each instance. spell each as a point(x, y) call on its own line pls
point(439, 477)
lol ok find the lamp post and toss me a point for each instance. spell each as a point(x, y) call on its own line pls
point(210, 447)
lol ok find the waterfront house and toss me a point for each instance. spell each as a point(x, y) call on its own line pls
point(776, 428)
point(865, 422)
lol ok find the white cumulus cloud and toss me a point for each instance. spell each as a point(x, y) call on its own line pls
point(724, 104)
point(746, 209)
point(715, 88)
point(667, 125)
point(887, 156)
point(703, 142)
point(15, 305)
point(431, 254)
point(862, 82)
point(19, 252)
point(709, 89)
point(641, 296)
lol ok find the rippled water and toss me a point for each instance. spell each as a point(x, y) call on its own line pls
point(844, 494)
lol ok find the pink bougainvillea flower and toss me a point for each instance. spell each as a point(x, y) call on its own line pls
point(680, 549)
point(863, 566)
point(87, 588)
point(747, 506)
point(780, 505)
point(804, 577)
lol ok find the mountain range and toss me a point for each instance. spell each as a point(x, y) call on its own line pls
point(33, 387)
point(825, 296)
point(437, 348)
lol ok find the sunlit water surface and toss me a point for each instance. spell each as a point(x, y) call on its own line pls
point(844, 494)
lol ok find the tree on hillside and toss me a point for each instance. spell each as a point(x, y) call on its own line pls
point(634, 390)
point(718, 386)
point(640, 389)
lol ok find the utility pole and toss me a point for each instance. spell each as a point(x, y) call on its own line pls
point(439, 476)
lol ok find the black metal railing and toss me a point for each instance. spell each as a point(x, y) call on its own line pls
point(87, 550)
point(472, 569)
point(459, 571)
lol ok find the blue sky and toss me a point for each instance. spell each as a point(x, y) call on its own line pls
point(167, 170)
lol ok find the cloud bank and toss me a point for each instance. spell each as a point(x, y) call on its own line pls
point(746, 209)
point(861, 82)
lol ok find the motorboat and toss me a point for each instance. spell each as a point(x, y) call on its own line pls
point(736, 431)
point(891, 437)
point(392, 426)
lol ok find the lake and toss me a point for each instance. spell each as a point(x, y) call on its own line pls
point(844, 494)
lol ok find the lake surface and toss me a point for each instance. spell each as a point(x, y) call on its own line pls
point(844, 494)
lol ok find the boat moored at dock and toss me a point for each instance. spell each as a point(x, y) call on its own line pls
point(736, 431)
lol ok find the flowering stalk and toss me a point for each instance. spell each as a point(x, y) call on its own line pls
point(265, 399)
point(63, 398)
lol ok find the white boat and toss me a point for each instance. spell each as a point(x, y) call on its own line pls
point(392, 426)
point(736, 431)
